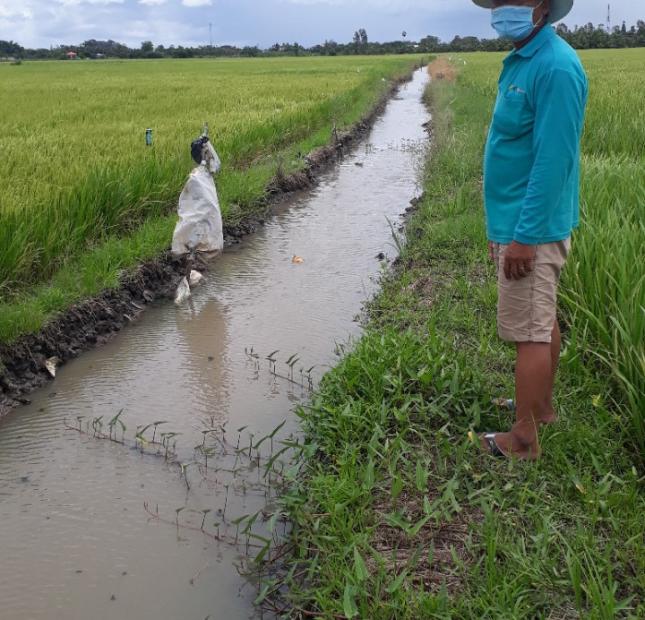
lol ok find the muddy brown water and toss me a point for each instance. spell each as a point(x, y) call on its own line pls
point(75, 539)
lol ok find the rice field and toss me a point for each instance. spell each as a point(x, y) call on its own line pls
point(604, 283)
point(74, 167)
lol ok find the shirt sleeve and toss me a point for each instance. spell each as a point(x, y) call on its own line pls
point(559, 117)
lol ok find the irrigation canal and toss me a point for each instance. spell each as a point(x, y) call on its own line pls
point(75, 539)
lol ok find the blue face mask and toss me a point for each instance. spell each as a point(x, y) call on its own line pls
point(513, 22)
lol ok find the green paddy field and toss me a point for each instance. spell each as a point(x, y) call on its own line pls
point(83, 197)
point(395, 513)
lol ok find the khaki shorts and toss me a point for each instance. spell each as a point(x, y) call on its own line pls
point(526, 310)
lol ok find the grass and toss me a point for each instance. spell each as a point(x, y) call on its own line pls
point(83, 197)
point(396, 514)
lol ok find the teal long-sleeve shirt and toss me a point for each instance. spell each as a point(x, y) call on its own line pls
point(532, 159)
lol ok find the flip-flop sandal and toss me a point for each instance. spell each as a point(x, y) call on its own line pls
point(504, 403)
point(493, 448)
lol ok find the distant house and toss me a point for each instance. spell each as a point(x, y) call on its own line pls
point(71, 55)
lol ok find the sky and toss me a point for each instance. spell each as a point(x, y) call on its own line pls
point(42, 23)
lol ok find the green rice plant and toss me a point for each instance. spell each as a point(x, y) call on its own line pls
point(75, 169)
point(604, 285)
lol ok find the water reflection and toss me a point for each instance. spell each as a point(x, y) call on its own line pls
point(75, 540)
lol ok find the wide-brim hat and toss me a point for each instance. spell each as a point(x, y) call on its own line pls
point(559, 8)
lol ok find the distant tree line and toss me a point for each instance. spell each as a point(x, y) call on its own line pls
point(580, 37)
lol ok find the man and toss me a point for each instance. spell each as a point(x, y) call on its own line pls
point(531, 179)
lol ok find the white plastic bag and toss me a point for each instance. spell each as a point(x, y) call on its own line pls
point(200, 226)
point(212, 158)
point(195, 279)
point(183, 292)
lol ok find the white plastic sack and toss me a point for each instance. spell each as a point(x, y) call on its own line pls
point(212, 159)
point(195, 279)
point(200, 226)
point(183, 292)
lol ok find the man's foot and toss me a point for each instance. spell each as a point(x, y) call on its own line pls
point(549, 417)
point(508, 404)
point(506, 445)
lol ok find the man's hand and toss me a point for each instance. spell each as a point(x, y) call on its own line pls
point(491, 250)
point(519, 260)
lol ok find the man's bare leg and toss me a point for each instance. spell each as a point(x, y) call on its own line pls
point(550, 416)
point(533, 384)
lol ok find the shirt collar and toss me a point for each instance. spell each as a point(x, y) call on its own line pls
point(532, 47)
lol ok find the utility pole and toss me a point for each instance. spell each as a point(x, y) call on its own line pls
point(609, 18)
point(210, 33)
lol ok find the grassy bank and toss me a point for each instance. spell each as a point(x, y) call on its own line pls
point(83, 197)
point(396, 514)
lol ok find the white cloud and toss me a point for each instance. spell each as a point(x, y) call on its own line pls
point(94, 2)
point(41, 23)
point(8, 10)
point(396, 5)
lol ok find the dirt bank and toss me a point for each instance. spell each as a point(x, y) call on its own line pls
point(93, 322)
